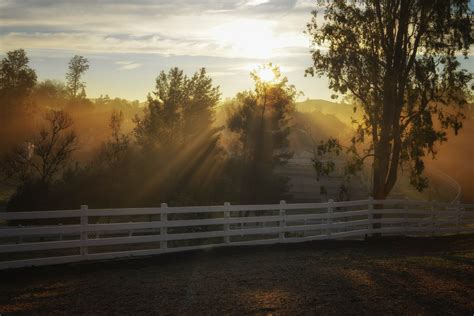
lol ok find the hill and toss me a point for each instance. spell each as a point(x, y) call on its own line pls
point(342, 111)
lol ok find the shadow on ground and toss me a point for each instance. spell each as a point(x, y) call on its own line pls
point(422, 276)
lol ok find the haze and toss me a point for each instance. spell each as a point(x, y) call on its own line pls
point(170, 128)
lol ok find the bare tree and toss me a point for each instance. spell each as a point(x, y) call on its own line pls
point(45, 156)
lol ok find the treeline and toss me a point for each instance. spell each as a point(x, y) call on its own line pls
point(60, 149)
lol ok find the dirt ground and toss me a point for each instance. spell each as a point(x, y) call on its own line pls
point(416, 276)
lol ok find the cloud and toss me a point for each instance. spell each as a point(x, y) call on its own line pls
point(168, 27)
point(86, 42)
point(221, 73)
point(123, 62)
point(256, 2)
point(128, 65)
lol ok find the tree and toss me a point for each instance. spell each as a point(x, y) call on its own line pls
point(115, 149)
point(180, 109)
point(178, 139)
point(50, 93)
point(398, 61)
point(17, 80)
point(78, 65)
point(199, 111)
point(44, 157)
point(261, 120)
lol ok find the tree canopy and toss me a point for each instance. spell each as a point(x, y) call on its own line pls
point(179, 110)
point(17, 79)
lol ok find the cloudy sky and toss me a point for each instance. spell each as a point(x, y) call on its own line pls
point(129, 42)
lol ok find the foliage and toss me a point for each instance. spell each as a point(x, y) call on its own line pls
point(261, 120)
point(50, 94)
point(16, 77)
point(115, 149)
point(106, 103)
point(179, 109)
point(78, 65)
point(17, 81)
point(398, 61)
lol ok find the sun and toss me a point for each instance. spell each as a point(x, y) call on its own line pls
point(265, 74)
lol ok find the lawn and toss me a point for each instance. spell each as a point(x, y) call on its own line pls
point(422, 276)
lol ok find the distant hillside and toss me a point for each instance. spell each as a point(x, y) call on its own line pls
point(342, 111)
point(455, 156)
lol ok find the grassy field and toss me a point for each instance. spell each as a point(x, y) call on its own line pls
point(416, 276)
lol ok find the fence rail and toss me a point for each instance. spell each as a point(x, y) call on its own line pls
point(54, 237)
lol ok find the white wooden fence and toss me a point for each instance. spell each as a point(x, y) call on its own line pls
point(54, 237)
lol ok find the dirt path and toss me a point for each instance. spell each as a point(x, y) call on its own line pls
point(423, 276)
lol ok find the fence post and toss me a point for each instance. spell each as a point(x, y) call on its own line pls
point(164, 228)
point(282, 223)
point(226, 220)
point(329, 217)
point(84, 230)
point(370, 210)
point(61, 231)
point(405, 216)
point(20, 238)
